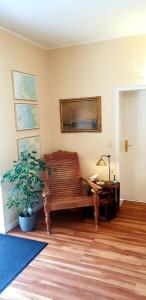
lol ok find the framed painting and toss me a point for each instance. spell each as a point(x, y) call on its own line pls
point(24, 86)
point(29, 143)
point(26, 116)
point(81, 114)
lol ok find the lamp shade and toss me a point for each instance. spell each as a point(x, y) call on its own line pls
point(101, 162)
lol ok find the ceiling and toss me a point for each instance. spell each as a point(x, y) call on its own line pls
point(58, 23)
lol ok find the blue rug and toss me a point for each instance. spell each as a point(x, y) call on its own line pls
point(15, 254)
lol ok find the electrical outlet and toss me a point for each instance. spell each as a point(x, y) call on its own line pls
point(109, 144)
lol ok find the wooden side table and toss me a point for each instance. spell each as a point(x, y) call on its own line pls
point(107, 208)
point(109, 201)
point(114, 188)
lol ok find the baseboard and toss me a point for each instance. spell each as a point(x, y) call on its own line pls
point(121, 201)
point(130, 200)
point(2, 231)
point(11, 225)
point(16, 222)
point(136, 201)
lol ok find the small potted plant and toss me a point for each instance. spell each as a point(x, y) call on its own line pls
point(26, 185)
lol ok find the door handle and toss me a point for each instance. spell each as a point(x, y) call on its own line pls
point(126, 145)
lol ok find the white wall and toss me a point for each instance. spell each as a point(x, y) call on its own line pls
point(93, 70)
point(17, 54)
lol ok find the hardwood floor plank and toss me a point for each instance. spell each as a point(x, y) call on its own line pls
point(79, 263)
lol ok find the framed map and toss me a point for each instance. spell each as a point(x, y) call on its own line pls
point(29, 143)
point(26, 116)
point(24, 86)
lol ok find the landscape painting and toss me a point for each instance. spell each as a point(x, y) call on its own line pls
point(30, 143)
point(81, 115)
point(26, 116)
point(24, 86)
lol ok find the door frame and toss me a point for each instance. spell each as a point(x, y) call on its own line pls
point(2, 224)
point(116, 121)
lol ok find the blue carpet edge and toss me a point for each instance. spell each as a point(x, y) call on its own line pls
point(45, 244)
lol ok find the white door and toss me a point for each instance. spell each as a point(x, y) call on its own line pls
point(132, 127)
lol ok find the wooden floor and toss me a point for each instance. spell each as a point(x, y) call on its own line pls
point(79, 263)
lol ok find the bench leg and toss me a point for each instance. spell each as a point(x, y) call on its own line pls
point(96, 210)
point(48, 222)
point(47, 212)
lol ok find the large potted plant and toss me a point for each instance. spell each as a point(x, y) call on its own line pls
point(26, 185)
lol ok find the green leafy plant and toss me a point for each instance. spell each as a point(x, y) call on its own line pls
point(26, 182)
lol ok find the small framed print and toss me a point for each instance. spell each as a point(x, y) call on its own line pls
point(26, 116)
point(29, 143)
point(24, 86)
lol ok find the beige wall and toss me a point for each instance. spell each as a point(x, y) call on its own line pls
point(93, 70)
point(16, 54)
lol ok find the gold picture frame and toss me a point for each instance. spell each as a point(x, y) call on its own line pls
point(80, 114)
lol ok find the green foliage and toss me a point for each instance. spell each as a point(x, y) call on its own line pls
point(26, 182)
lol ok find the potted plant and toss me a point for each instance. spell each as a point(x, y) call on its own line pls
point(26, 185)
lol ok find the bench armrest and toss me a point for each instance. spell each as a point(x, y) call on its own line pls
point(95, 188)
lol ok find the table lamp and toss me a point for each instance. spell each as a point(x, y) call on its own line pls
point(101, 162)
